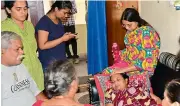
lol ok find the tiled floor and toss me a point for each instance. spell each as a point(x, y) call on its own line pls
point(81, 68)
point(78, 95)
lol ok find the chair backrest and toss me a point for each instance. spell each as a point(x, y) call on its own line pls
point(170, 60)
point(166, 70)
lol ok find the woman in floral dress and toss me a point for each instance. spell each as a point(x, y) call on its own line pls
point(139, 59)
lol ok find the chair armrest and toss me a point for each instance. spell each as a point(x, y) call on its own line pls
point(93, 93)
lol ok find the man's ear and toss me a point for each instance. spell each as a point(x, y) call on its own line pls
point(7, 9)
point(73, 89)
point(73, 82)
point(175, 104)
point(74, 85)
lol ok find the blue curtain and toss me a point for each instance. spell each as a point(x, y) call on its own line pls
point(97, 37)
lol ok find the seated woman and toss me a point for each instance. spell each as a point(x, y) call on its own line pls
point(122, 94)
point(61, 85)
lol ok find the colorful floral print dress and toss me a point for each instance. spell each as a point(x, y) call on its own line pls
point(142, 50)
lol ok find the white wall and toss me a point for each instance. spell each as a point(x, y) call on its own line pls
point(47, 5)
point(81, 11)
point(166, 20)
point(81, 26)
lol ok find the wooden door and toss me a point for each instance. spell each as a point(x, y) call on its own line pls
point(115, 31)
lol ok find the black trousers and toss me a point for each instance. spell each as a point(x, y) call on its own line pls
point(71, 42)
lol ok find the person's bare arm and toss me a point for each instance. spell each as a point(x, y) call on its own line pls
point(43, 42)
point(109, 104)
point(156, 98)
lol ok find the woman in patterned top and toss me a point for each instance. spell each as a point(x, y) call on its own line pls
point(141, 53)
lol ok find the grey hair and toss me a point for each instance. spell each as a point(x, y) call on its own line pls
point(58, 78)
point(6, 37)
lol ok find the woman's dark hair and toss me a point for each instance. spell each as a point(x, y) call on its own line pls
point(173, 90)
point(61, 5)
point(124, 75)
point(9, 4)
point(132, 15)
point(58, 77)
